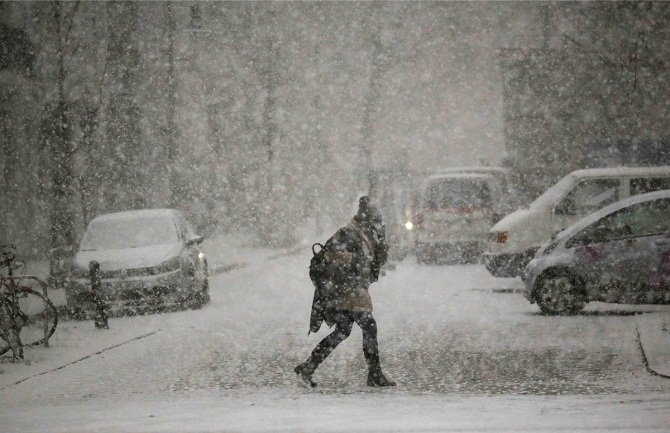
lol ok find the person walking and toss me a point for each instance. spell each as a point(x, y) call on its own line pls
point(360, 249)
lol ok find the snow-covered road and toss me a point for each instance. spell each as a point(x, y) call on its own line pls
point(469, 355)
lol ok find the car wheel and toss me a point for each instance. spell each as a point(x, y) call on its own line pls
point(199, 297)
point(77, 313)
point(559, 292)
point(422, 256)
point(204, 293)
point(74, 309)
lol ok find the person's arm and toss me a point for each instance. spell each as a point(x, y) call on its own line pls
point(380, 253)
point(382, 248)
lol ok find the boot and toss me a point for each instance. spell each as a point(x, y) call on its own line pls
point(377, 378)
point(375, 375)
point(320, 352)
point(305, 372)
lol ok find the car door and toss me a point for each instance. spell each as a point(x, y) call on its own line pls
point(657, 228)
point(622, 254)
point(662, 280)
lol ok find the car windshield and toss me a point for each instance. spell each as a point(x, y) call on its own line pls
point(114, 234)
point(455, 192)
point(551, 196)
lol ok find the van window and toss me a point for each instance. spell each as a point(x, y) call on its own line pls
point(648, 184)
point(589, 195)
point(460, 193)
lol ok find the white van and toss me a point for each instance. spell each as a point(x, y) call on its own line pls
point(514, 240)
point(454, 214)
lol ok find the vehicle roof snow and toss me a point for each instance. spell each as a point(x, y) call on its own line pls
point(460, 176)
point(139, 213)
point(621, 171)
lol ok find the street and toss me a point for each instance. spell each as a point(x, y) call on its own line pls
point(451, 336)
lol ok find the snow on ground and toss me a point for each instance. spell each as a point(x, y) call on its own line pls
point(228, 366)
point(379, 412)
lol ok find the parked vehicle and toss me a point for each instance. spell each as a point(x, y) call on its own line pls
point(499, 173)
point(395, 203)
point(514, 240)
point(149, 259)
point(455, 213)
point(620, 253)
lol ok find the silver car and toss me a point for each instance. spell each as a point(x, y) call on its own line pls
point(149, 259)
point(620, 253)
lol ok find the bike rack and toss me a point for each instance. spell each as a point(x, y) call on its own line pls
point(17, 279)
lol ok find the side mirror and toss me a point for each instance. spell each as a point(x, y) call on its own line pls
point(195, 240)
point(602, 233)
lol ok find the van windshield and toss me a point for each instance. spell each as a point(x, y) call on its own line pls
point(457, 193)
point(551, 196)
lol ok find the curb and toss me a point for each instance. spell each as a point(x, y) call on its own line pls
point(654, 342)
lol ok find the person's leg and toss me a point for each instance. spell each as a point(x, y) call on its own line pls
point(343, 324)
point(368, 326)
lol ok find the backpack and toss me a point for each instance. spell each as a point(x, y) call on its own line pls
point(320, 268)
point(327, 275)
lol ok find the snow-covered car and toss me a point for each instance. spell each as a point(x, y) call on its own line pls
point(514, 240)
point(455, 213)
point(149, 259)
point(618, 254)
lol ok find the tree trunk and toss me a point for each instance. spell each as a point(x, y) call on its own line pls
point(366, 175)
point(171, 127)
point(61, 215)
point(126, 176)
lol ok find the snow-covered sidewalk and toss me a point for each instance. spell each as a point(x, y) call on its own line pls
point(347, 412)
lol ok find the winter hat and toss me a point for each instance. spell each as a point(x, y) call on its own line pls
point(367, 211)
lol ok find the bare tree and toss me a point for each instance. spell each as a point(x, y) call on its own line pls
point(171, 127)
point(58, 139)
point(252, 32)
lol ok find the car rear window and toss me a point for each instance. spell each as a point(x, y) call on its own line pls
point(458, 193)
point(111, 234)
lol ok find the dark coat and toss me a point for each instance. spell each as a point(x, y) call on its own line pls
point(360, 253)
